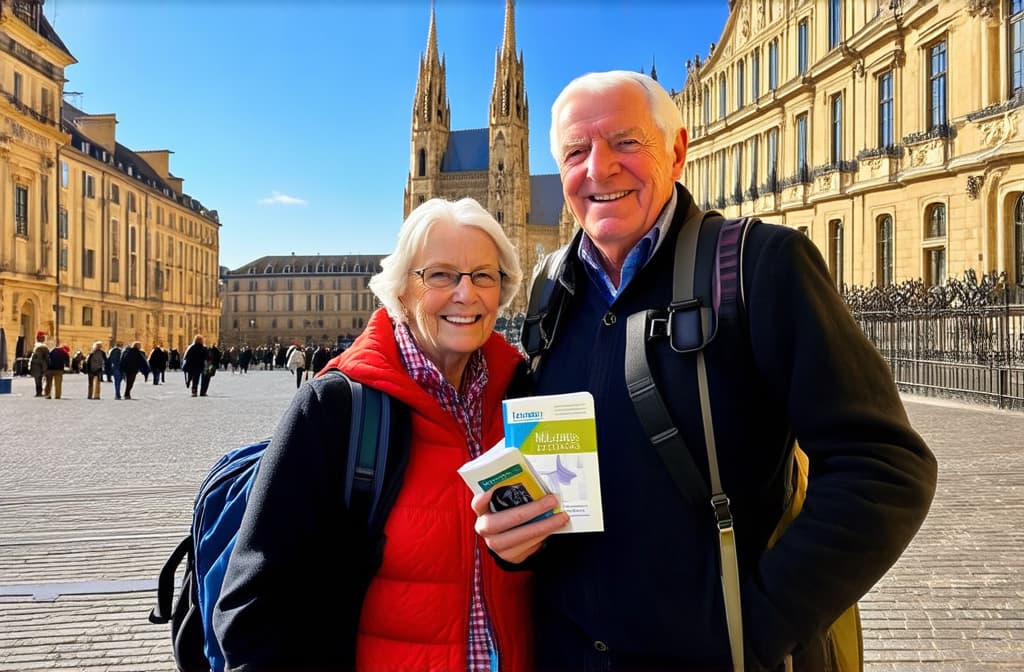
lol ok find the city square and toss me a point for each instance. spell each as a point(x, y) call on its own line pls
point(96, 494)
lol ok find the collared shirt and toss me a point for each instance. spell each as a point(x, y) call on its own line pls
point(635, 260)
point(468, 410)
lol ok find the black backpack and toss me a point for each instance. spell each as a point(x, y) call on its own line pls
point(220, 505)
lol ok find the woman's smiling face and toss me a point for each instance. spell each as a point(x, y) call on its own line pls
point(450, 324)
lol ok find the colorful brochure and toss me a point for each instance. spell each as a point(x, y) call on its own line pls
point(558, 436)
point(507, 472)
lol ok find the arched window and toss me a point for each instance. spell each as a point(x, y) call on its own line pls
point(935, 221)
point(1018, 240)
point(252, 270)
point(269, 268)
point(421, 163)
point(885, 251)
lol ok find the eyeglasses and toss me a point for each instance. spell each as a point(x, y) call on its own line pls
point(440, 277)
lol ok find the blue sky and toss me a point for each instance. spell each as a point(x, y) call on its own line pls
point(292, 118)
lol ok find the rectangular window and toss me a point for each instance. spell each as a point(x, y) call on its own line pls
point(935, 266)
point(62, 223)
point(18, 86)
point(937, 85)
point(62, 257)
point(721, 179)
point(131, 202)
point(20, 210)
point(885, 251)
point(741, 83)
point(773, 64)
point(835, 252)
point(115, 194)
point(721, 97)
point(65, 174)
point(737, 173)
point(86, 316)
point(772, 160)
point(837, 128)
point(755, 75)
point(1016, 47)
point(115, 269)
point(251, 303)
point(885, 110)
point(707, 106)
point(801, 148)
point(835, 25)
point(46, 103)
point(88, 185)
point(89, 264)
point(755, 157)
point(801, 47)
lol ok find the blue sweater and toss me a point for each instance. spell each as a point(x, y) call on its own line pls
point(646, 593)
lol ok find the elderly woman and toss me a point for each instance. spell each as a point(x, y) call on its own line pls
point(438, 601)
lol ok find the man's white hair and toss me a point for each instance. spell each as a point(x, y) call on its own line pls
point(664, 111)
point(396, 268)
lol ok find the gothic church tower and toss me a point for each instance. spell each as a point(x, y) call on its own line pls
point(431, 125)
point(508, 188)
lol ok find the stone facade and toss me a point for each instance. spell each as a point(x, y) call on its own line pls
point(312, 300)
point(889, 132)
point(32, 62)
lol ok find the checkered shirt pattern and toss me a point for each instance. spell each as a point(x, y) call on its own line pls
point(469, 412)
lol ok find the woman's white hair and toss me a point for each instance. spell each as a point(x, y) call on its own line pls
point(664, 111)
point(396, 268)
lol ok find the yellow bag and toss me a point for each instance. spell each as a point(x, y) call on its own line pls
point(845, 640)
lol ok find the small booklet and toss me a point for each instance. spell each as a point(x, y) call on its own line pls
point(558, 436)
point(507, 472)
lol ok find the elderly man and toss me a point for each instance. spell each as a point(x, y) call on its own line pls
point(647, 592)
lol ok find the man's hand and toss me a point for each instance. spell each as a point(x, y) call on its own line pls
point(504, 532)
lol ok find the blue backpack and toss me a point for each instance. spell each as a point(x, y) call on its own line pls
point(217, 516)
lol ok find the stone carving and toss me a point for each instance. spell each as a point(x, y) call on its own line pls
point(986, 9)
point(974, 183)
point(1000, 130)
point(760, 15)
point(745, 20)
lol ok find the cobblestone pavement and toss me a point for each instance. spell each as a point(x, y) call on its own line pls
point(93, 495)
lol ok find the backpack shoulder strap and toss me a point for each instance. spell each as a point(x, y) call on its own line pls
point(369, 440)
point(544, 311)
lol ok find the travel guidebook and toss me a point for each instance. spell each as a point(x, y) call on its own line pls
point(557, 435)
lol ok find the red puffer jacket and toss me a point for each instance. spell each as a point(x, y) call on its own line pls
point(416, 612)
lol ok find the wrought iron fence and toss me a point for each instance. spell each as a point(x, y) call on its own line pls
point(964, 339)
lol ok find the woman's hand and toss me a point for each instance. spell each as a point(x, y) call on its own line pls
point(504, 532)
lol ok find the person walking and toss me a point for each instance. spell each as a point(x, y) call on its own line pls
point(439, 600)
point(114, 368)
point(194, 364)
point(158, 364)
point(38, 362)
point(95, 365)
point(57, 361)
point(647, 593)
point(297, 363)
point(133, 362)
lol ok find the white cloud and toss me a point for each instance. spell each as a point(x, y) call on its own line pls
point(277, 198)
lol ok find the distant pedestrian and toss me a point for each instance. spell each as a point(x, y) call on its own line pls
point(114, 368)
point(38, 362)
point(77, 361)
point(297, 364)
point(158, 364)
point(133, 362)
point(56, 362)
point(320, 358)
point(194, 365)
point(95, 365)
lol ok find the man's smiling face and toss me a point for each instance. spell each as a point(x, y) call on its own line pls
point(617, 172)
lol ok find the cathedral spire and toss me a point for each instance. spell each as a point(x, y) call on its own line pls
point(508, 42)
point(654, 70)
point(432, 36)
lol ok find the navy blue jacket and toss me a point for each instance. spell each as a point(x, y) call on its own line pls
point(646, 593)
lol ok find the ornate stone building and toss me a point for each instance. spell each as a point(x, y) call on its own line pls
point(313, 300)
point(489, 164)
point(890, 131)
point(136, 255)
point(32, 62)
